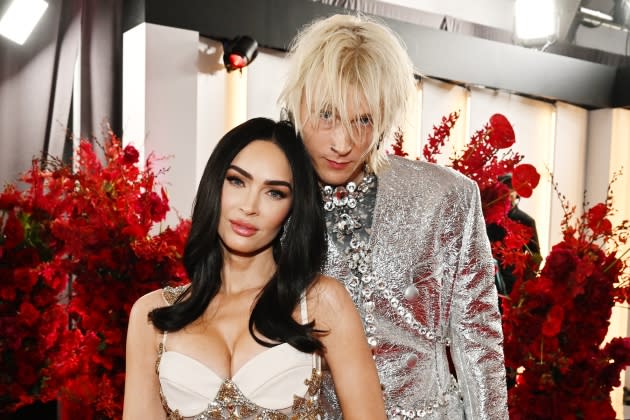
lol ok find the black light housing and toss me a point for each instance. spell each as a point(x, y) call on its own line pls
point(239, 52)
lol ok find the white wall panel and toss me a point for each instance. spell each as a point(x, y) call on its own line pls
point(609, 153)
point(211, 94)
point(160, 105)
point(266, 76)
point(569, 163)
point(438, 100)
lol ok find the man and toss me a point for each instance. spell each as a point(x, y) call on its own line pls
point(497, 233)
point(520, 216)
point(407, 238)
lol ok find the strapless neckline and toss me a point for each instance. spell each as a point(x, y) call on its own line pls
point(280, 382)
point(243, 368)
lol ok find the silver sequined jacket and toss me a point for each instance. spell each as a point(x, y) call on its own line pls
point(431, 288)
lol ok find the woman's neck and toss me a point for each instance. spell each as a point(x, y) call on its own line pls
point(241, 273)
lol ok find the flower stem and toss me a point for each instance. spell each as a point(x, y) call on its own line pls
point(609, 266)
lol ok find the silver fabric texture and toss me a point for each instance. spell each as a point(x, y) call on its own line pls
point(432, 287)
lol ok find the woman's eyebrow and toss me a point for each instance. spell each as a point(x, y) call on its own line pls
point(266, 182)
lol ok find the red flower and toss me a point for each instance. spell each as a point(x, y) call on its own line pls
point(436, 140)
point(524, 179)
point(496, 203)
point(560, 262)
point(596, 219)
point(501, 133)
point(130, 155)
point(597, 213)
point(28, 314)
point(397, 146)
point(539, 286)
point(551, 326)
point(13, 234)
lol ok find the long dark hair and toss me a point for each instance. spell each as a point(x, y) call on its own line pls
point(299, 254)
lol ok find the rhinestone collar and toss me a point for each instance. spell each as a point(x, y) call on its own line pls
point(348, 195)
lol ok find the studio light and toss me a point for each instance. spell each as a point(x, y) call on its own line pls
point(535, 20)
point(20, 19)
point(239, 52)
point(596, 14)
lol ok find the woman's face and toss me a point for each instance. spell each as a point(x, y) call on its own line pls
point(256, 199)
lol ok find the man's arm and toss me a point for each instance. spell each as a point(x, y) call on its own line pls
point(475, 324)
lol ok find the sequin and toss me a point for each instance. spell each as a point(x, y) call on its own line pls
point(411, 360)
point(431, 266)
point(411, 292)
point(231, 404)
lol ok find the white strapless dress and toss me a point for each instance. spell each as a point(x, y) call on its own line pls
point(279, 383)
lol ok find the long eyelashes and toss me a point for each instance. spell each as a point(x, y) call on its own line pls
point(234, 180)
point(277, 195)
point(273, 193)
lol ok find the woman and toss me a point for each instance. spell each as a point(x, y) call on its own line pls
point(244, 340)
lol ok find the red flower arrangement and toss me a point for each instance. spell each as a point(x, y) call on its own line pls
point(555, 319)
point(555, 324)
point(33, 320)
point(87, 232)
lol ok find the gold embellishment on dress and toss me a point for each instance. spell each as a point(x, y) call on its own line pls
point(231, 404)
point(157, 361)
point(307, 408)
point(314, 383)
point(170, 414)
point(172, 293)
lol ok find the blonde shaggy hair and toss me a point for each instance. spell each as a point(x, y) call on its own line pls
point(337, 62)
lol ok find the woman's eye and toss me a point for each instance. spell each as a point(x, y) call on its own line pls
point(277, 195)
point(234, 180)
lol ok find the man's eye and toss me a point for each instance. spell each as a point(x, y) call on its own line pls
point(326, 115)
point(364, 120)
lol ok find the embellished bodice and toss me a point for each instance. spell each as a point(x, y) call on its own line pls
point(280, 383)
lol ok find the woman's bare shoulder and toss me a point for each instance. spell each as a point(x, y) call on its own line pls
point(158, 298)
point(139, 315)
point(150, 301)
point(328, 297)
point(328, 288)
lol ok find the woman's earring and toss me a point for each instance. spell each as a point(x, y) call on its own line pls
point(283, 230)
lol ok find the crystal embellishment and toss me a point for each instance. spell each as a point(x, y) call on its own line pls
point(342, 202)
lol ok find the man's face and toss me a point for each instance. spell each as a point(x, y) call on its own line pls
point(338, 153)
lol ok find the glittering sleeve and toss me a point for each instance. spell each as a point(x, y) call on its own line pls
point(475, 324)
point(170, 294)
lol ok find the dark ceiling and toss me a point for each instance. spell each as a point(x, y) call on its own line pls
point(473, 55)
